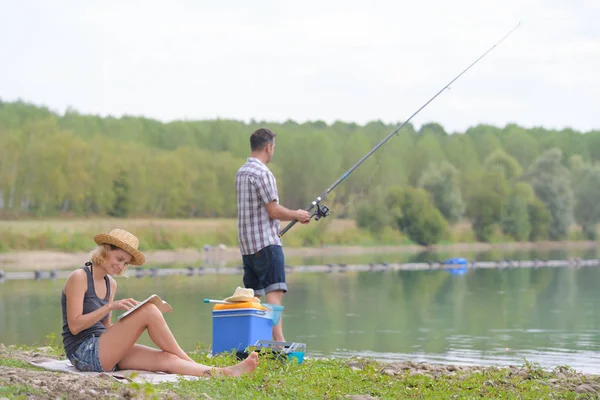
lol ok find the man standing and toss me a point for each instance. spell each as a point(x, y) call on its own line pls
point(259, 216)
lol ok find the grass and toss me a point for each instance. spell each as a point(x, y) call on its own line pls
point(168, 234)
point(15, 390)
point(9, 362)
point(19, 391)
point(70, 235)
point(336, 379)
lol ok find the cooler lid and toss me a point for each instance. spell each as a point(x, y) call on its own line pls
point(240, 305)
point(240, 312)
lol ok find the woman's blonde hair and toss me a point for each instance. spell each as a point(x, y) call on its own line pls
point(100, 255)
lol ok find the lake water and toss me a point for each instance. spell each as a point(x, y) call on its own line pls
point(487, 316)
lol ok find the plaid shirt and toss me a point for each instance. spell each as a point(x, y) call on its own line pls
point(255, 187)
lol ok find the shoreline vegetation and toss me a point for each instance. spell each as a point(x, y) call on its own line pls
point(512, 183)
point(62, 244)
point(356, 378)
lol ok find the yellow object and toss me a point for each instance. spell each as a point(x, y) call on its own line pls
point(242, 295)
point(245, 304)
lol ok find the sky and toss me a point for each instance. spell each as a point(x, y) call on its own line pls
point(351, 61)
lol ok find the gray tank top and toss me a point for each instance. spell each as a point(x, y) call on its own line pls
point(91, 302)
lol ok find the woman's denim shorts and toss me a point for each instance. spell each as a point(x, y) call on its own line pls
point(86, 356)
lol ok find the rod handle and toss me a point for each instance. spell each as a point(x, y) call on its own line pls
point(287, 228)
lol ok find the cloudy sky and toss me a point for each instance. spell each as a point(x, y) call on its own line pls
point(331, 60)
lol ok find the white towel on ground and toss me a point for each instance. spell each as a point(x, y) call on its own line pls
point(128, 375)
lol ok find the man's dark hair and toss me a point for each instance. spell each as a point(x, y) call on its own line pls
point(260, 138)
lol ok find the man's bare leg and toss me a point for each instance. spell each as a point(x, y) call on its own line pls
point(276, 297)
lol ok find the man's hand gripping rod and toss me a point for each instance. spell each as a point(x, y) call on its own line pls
point(323, 211)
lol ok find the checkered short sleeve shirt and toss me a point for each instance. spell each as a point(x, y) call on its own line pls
point(255, 187)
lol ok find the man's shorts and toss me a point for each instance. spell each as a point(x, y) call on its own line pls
point(264, 271)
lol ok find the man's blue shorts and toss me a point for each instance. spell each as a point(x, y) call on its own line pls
point(264, 271)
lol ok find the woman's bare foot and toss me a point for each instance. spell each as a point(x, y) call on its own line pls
point(246, 366)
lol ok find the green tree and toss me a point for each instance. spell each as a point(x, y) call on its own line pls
point(373, 214)
point(587, 204)
point(427, 150)
point(485, 139)
point(461, 152)
point(354, 148)
point(224, 166)
point(434, 128)
point(52, 163)
point(593, 144)
point(103, 171)
point(524, 190)
point(416, 216)
point(442, 181)
point(540, 219)
point(578, 168)
point(498, 160)
point(550, 180)
point(520, 145)
point(515, 218)
point(484, 206)
point(122, 203)
point(395, 160)
point(308, 164)
point(10, 152)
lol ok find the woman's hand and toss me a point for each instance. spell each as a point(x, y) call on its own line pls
point(123, 304)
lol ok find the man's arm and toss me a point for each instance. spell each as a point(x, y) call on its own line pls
point(277, 211)
point(267, 191)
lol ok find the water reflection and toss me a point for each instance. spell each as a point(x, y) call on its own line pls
point(497, 254)
point(488, 317)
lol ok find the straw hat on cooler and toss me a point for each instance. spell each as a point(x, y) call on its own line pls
point(242, 294)
point(123, 240)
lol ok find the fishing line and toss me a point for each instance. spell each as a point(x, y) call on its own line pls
point(356, 196)
point(322, 210)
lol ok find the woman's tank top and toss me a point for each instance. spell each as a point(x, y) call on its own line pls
point(91, 302)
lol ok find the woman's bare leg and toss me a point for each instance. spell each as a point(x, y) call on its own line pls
point(118, 340)
point(149, 359)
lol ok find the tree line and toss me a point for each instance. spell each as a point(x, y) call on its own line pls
point(531, 184)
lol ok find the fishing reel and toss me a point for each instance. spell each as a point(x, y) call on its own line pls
point(321, 212)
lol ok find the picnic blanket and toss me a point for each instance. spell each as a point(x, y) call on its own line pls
point(128, 375)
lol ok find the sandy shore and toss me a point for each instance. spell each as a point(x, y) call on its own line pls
point(49, 260)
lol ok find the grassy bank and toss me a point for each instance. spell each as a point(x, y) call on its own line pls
point(313, 379)
point(166, 234)
point(71, 235)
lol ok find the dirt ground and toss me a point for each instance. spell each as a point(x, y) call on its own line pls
point(54, 260)
point(53, 385)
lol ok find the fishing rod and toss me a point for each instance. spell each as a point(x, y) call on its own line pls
point(322, 210)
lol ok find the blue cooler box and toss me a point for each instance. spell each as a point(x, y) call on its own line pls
point(236, 329)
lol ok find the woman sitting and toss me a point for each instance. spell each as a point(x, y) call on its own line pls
point(92, 343)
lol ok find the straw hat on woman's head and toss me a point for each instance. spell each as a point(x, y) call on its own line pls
point(123, 240)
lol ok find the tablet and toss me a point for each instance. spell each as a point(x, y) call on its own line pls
point(162, 305)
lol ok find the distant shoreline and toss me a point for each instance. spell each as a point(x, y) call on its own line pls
point(49, 260)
